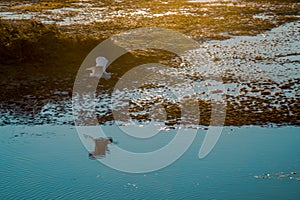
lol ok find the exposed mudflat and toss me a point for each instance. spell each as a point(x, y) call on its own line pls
point(248, 61)
point(259, 82)
point(198, 19)
point(256, 78)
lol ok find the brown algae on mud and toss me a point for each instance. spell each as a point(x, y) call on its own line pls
point(259, 96)
point(212, 20)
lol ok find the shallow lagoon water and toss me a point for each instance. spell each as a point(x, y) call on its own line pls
point(50, 162)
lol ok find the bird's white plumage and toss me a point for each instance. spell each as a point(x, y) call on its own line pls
point(98, 71)
point(101, 61)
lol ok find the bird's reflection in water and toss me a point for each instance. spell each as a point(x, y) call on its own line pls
point(101, 147)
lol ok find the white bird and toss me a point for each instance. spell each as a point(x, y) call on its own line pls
point(98, 71)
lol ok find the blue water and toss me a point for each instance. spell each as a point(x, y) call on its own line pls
point(49, 162)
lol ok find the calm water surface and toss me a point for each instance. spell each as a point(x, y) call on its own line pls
point(49, 162)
